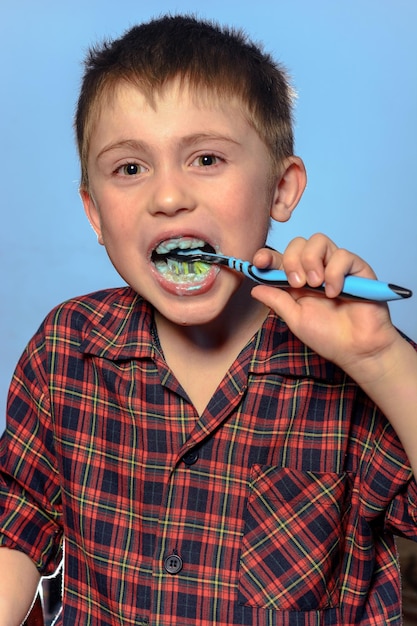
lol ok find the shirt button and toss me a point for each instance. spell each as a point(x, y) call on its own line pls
point(173, 564)
point(190, 457)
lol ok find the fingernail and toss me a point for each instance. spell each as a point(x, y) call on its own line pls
point(331, 291)
point(294, 279)
point(313, 278)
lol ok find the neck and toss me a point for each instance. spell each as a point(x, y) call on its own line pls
point(234, 327)
point(200, 356)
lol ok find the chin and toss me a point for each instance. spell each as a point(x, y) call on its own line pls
point(187, 313)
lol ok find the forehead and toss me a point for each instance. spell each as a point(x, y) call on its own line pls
point(177, 103)
point(118, 92)
point(122, 94)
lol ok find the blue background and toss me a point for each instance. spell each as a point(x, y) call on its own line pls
point(354, 65)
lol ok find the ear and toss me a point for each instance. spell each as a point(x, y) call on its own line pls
point(92, 212)
point(289, 188)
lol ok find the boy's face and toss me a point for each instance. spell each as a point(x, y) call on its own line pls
point(178, 171)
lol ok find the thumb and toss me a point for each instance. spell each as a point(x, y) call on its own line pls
point(278, 300)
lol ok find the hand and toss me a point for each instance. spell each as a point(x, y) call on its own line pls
point(351, 333)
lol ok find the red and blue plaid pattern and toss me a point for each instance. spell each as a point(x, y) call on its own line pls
point(276, 507)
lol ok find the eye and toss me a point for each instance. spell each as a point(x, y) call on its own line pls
point(206, 160)
point(130, 169)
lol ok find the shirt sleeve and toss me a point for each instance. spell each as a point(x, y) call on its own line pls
point(389, 488)
point(30, 498)
point(401, 517)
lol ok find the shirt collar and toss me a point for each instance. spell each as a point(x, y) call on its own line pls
point(121, 328)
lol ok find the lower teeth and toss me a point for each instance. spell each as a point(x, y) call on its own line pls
point(181, 271)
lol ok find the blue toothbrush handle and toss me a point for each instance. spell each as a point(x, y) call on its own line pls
point(354, 286)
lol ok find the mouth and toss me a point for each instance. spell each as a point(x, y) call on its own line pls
point(181, 272)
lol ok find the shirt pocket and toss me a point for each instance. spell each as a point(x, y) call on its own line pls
point(292, 546)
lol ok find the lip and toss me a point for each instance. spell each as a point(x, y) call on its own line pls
point(186, 288)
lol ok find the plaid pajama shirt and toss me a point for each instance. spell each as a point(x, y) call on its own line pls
point(276, 507)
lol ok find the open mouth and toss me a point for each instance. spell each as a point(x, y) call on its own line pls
point(181, 271)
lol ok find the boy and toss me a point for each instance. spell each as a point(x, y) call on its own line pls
point(205, 461)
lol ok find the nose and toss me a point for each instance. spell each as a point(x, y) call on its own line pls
point(171, 193)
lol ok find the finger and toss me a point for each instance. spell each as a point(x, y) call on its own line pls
point(304, 260)
point(280, 301)
point(315, 256)
point(268, 257)
point(292, 262)
point(319, 260)
point(341, 264)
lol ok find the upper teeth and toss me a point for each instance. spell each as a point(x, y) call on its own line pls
point(181, 243)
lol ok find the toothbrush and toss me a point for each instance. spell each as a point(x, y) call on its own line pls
point(354, 286)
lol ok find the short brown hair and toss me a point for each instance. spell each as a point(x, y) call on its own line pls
point(208, 56)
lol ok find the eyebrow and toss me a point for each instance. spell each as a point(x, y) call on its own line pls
point(124, 143)
point(188, 140)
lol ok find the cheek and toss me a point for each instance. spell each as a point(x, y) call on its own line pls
point(115, 219)
point(249, 202)
point(255, 208)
